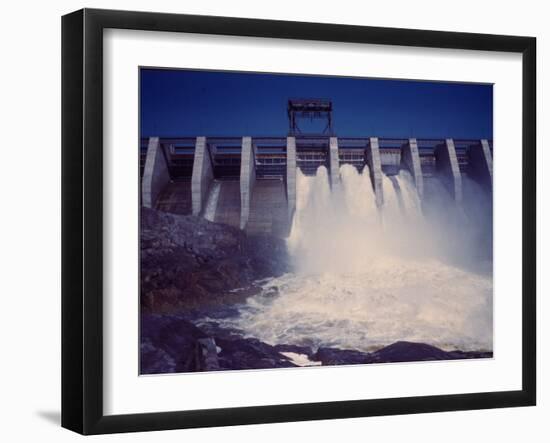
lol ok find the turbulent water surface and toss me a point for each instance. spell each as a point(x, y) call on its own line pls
point(365, 278)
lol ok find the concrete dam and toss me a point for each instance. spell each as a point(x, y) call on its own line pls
point(388, 238)
point(250, 182)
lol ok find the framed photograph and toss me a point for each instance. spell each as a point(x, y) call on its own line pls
point(269, 221)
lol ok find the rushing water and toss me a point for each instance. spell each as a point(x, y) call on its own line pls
point(365, 278)
point(212, 201)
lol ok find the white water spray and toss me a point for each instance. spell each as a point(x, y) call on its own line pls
point(366, 277)
point(212, 201)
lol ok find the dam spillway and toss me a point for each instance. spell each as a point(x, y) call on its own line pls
point(315, 240)
point(250, 182)
point(363, 277)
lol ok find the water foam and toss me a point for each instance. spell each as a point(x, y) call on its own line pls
point(366, 277)
point(212, 201)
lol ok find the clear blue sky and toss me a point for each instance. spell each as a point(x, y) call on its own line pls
point(192, 103)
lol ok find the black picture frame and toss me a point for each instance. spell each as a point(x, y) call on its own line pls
point(82, 220)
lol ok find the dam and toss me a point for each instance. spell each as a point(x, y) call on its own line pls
point(250, 182)
point(387, 238)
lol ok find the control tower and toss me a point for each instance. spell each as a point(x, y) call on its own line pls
point(309, 108)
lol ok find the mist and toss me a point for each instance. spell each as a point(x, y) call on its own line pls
point(364, 277)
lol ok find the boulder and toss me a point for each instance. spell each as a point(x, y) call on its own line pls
point(404, 351)
point(171, 343)
point(335, 356)
point(168, 344)
point(188, 262)
point(250, 353)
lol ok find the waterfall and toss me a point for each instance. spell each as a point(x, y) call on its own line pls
point(365, 277)
point(344, 229)
point(212, 201)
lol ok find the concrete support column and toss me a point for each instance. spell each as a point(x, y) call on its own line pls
point(446, 164)
point(291, 176)
point(334, 163)
point(375, 166)
point(481, 164)
point(155, 174)
point(248, 178)
point(202, 176)
point(410, 160)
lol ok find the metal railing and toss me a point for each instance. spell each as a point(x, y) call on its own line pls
point(311, 152)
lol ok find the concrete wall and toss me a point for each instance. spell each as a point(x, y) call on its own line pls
point(410, 160)
point(375, 166)
point(481, 164)
point(228, 210)
point(268, 209)
point(202, 176)
point(291, 176)
point(175, 198)
point(334, 163)
point(447, 168)
point(155, 174)
point(248, 178)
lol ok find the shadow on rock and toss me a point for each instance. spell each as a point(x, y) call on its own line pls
point(188, 262)
point(171, 343)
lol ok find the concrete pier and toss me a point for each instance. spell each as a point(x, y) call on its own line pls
point(334, 163)
point(155, 174)
point(202, 176)
point(410, 160)
point(375, 166)
point(447, 168)
point(247, 178)
point(257, 175)
point(291, 176)
point(481, 164)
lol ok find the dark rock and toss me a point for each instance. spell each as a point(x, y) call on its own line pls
point(154, 360)
point(403, 351)
point(188, 262)
point(250, 353)
point(335, 356)
point(171, 343)
point(207, 355)
point(471, 354)
point(168, 344)
point(213, 329)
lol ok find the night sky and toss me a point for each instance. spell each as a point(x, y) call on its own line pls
point(193, 103)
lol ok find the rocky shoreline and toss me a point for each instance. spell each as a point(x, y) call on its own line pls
point(191, 267)
point(171, 344)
